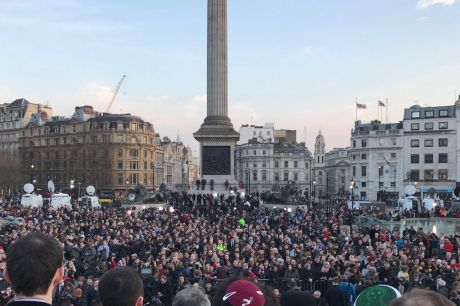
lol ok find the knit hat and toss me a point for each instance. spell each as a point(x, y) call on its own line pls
point(243, 292)
point(297, 298)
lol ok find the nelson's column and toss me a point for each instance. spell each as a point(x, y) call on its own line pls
point(216, 135)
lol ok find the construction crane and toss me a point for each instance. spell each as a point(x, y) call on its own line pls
point(115, 93)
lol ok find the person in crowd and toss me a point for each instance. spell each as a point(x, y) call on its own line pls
point(34, 269)
point(418, 297)
point(191, 297)
point(121, 287)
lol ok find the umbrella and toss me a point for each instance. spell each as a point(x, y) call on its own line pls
point(379, 295)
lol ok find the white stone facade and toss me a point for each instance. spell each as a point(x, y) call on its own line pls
point(376, 159)
point(263, 133)
point(267, 166)
point(337, 171)
point(430, 148)
point(13, 117)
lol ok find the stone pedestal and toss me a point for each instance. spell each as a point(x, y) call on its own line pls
point(216, 136)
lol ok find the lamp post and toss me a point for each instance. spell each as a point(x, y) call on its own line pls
point(32, 167)
point(79, 185)
point(153, 175)
point(352, 188)
point(127, 185)
point(314, 189)
point(379, 189)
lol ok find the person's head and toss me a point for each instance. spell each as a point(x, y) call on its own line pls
point(191, 296)
point(34, 265)
point(121, 287)
point(317, 294)
point(297, 298)
point(418, 297)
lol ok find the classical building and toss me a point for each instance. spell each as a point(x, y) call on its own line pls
point(175, 163)
point(263, 133)
point(431, 148)
point(263, 166)
point(319, 167)
point(16, 115)
point(376, 156)
point(105, 150)
point(337, 167)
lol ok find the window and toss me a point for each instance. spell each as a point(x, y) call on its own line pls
point(414, 175)
point(134, 153)
point(286, 164)
point(393, 155)
point(120, 179)
point(442, 158)
point(428, 158)
point(264, 175)
point(380, 184)
point(354, 170)
point(277, 176)
point(428, 125)
point(254, 175)
point(429, 114)
point(320, 173)
point(415, 143)
point(354, 156)
point(443, 142)
point(414, 159)
point(442, 174)
point(393, 184)
point(363, 143)
point(296, 176)
point(145, 165)
point(428, 142)
point(120, 165)
point(295, 164)
point(264, 164)
point(306, 165)
point(277, 164)
point(443, 113)
point(363, 170)
point(285, 176)
point(415, 126)
point(255, 152)
point(380, 170)
point(264, 152)
point(363, 184)
point(443, 125)
point(393, 141)
point(363, 156)
point(415, 115)
point(428, 175)
point(134, 165)
point(254, 165)
point(354, 143)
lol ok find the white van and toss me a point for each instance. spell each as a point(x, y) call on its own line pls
point(408, 203)
point(32, 200)
point(59, 200)
point(90, 201)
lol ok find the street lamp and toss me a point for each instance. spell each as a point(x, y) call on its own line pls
point(72, 182)
point(379, 189)
point(32, 166)
point(352, 188)
point(314, 189)
point(127, 185)
point(79, 185)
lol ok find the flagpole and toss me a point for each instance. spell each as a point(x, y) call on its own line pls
point(386, 105)
point(356, 109)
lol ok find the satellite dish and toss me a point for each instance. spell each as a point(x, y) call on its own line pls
point(131, 197)
point(410, 190)
point(457, 192)
point(51, 187)
point(29, 188)
point(90, 190)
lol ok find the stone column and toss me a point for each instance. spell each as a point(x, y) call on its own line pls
point(217, 60)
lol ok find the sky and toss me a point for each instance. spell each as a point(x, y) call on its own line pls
point(300, 64)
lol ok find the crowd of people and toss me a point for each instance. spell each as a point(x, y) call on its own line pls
point(202, 241)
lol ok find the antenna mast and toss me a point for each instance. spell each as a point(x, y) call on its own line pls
point(115, 92)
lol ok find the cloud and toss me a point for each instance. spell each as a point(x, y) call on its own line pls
point(427, 3)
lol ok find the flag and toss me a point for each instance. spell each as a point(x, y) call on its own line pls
point(361, 106)
point(381, 104)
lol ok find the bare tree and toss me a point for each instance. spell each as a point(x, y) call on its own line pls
point(10, 172)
